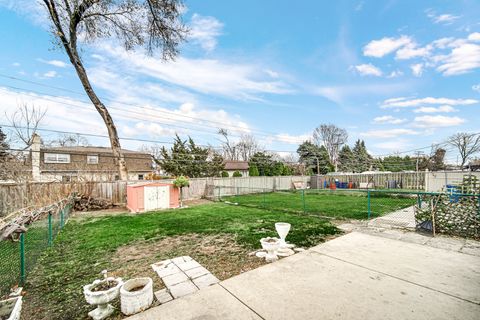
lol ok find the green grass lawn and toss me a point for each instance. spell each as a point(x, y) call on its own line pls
point(219, 236)
point(339, 204)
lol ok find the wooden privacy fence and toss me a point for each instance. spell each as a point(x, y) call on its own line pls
point(36, 194)
point(20, 195)
point(404, 180)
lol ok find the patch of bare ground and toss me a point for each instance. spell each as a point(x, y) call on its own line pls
point(220, 254)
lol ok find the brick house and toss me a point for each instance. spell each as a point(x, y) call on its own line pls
point(240, 166)
point(84, 163)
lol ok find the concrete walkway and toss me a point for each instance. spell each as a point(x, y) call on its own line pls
point(356, 276)
point(403, 218)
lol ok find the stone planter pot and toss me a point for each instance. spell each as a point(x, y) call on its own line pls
point(283, 229)
point(270, 245)
point(134, 301)
point(11, 308)
point(102, 298)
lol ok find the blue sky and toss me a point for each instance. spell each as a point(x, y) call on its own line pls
point(398, 74)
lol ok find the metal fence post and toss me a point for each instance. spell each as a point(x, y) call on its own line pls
point(22, 258)
point(61, 219)
point(50, 233)
point(303, 200)
point(264, 203)
point(369, 204)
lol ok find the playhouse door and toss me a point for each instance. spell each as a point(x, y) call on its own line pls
point(163, 199)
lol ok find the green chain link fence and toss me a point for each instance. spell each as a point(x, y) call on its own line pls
point(18, 256)
point(396, 208)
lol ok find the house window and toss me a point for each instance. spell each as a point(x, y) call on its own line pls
point(140, 177)
point(92, 159)
point(56, 158)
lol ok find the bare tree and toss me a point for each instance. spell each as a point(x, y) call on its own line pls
point(25, 122)
point(333, 138)
point(149, 23)
point(247, 147)
point(69, 140)
point(467, 145)
point(230, 151)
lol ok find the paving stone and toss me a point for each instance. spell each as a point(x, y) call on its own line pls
point(178, 260)
point(174, 279)
point(165, 270)
point(189, 265)
point(187, 258)
point(446, 243)
point(196, 272)
point(205, 281)
point(163, 296)
point(414, 238)
point(391, 234)
point(182, 289)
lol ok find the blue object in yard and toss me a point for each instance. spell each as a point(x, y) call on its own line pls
point(453, 193)
point(325, 184)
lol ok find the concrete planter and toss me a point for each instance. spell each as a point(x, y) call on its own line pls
point(11, 308)
point(134, 301)
point(102, 298)
point(270, 245)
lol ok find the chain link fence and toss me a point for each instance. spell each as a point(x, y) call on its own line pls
point(450, 212)
point(19, 253)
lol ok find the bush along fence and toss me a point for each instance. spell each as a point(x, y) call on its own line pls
point(449, 213)
point(456, 214)
point(25, 235)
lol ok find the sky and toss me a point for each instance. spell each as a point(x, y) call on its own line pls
point(400, 75)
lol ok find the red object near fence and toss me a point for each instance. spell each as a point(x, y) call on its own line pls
point(333, 186)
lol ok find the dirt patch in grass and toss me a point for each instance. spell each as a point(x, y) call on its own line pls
point(220, 254)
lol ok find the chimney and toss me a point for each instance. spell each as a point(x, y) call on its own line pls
point(35, 151)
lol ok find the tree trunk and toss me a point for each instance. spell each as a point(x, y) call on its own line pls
point(107, 118)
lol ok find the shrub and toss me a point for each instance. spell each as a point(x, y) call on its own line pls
point(237, 174)
point(253, 171)
point(225, 174)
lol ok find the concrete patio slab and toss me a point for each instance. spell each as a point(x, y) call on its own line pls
point(210, 303)
point(356, 276)
point(314, 286)
point(446, 271)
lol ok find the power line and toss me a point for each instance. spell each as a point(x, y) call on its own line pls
point(83, 94)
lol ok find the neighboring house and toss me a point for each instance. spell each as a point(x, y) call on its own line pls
point(474, 165)
point(84, 163)
point(240, 166)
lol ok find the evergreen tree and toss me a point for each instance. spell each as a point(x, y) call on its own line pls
point(309, 155)
point(253, 171)
point(346, 159)
point(362, 160)
point(185, 158)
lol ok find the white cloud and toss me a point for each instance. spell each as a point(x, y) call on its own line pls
point(412, 51)
point(440, 109)
point(445, 18)
point(16, 64)
point(384, 46)
point(393, 145)
point(368, 70)
point(292, 139)
point(476, 87)
point(205, 30)
point(437, 121)
point(462, 59)
point(50, 74)
point(417, 69)
point(56, 63)
point(390, 133)
point(395, 73)
point(474, 36)
point(389, 120)
point(405, 102)
point(208, 76)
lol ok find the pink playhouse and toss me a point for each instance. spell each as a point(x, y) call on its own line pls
point(152, 196)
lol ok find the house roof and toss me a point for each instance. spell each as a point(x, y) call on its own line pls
point(90, 149)
point(236, 165)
